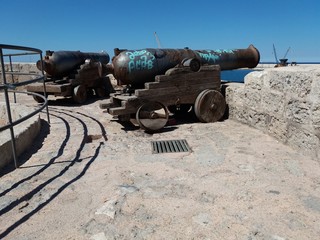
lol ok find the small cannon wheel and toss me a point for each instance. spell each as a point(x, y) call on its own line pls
point(209, 106)
point(152, 116)
point(38, 99)
point(80, 94)
point(100, 91)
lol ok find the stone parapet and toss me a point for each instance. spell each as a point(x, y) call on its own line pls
point(28, 68)
point(284, 102)
point(24, 132)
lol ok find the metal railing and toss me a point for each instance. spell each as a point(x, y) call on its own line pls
point(10, 87)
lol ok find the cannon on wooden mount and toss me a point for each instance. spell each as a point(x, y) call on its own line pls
point(74, 73)
point(164, 78)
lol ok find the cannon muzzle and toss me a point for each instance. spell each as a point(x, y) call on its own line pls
point(137, 67)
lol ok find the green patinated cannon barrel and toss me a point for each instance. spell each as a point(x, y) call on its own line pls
point(62, 63)
point(137, 67)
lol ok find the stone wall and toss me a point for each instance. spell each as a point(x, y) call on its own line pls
point(283, 102)
point(25, 132)
point(20, 68)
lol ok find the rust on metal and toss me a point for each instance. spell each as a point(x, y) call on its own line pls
point(74, 73)
point(61, 63)
point(137, 67)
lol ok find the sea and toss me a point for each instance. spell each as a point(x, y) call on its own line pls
point(235, 75)
point(238, 75)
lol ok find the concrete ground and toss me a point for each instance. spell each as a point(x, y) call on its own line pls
point(89, 177)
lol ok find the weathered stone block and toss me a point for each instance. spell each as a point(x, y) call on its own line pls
point(252, 98)
point(298, 84)
point(285, 102)
point(238, 113)
point(316, 114)
point(278, 128)
point(315, 90)
point(272, 102)
point(299, 111)
point(21, 68)
point(257, 119)
point(234, 93)
point(303, 138)
point(254, 80)
point(315, 118)
point(232, 110)
point(276, 80)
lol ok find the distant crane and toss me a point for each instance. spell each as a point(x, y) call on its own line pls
point(275, 54)
point(283, 61)
point(286, 53)
point(157, 39)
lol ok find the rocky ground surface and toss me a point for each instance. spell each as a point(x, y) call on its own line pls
point(89, 177)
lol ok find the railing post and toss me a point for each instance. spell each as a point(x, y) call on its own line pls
point(12, 78)
point(44, 87)
point(13, 143)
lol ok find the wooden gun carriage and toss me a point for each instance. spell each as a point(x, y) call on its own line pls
point(178, 87)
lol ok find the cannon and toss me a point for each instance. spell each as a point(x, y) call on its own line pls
point(173, 80)
point(62, 63)
point(136, 67)
point(73, 74)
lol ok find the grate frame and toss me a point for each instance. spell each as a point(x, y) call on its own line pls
point(170, 146)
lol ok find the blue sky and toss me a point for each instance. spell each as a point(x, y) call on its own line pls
point(96, 25)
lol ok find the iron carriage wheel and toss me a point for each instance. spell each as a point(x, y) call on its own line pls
point(152, 116)
point(209, 106)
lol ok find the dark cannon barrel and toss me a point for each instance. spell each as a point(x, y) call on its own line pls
point(62, 63)
point(137, 67)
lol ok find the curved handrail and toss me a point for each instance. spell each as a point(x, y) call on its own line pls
point(26, 117)
point(14, 47)
point(7, 87)
point(19, 84)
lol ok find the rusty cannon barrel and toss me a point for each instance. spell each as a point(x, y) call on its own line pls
point(137, 67)
point(62, 63)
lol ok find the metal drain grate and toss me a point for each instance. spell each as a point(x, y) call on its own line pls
point(170, 146)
